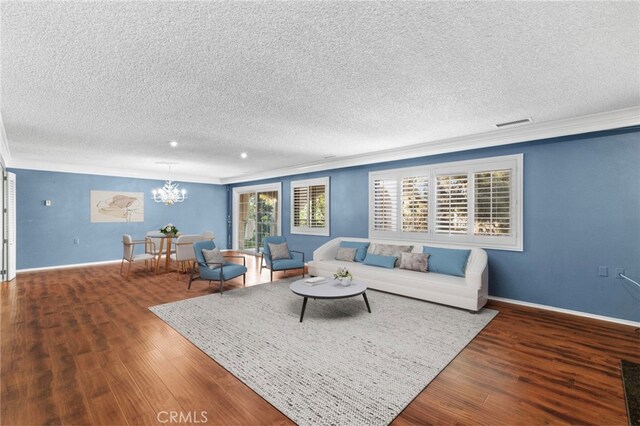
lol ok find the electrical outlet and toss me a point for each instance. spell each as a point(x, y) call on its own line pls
point(76, 241)
point(603, 271)
point(618, 272)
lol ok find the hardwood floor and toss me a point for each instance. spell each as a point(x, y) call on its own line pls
point(79, 346)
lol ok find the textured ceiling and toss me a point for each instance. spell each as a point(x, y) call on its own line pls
point(108, 84)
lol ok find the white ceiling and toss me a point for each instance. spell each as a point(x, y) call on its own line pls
point(103, 86)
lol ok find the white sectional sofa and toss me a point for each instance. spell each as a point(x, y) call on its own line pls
point(469, 292)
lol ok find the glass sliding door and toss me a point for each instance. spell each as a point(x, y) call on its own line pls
point(267, 216)
point(247, 222)
point(257, 216)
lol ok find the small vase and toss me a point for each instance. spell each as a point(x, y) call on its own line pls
point(345, 282)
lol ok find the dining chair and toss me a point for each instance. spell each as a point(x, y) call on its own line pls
point(156, 242)
point(128, 249)
point(208, 271)
point(282, 261)
point(184, 254)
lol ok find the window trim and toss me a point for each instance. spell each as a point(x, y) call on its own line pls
point(470, 167)
point(306, 230)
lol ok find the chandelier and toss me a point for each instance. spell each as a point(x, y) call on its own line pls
point(169, 194)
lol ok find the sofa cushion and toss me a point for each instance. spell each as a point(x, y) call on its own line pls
point(279, 251)
point(381, 261)
point(447, 261)
point(390, 250)
point(283, 264)
point(361, 249)
point(346, 254)
point(414, 261)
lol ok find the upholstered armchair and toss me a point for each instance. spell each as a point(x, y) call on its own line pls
point(284, 260)
point(221, 270)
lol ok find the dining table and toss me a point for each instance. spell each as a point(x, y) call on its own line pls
point(165, 244)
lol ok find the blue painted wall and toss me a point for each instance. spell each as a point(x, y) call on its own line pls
point(581, 211)
point(45, 235)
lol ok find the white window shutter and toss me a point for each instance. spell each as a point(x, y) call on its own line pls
point(493, 203)
point(452, 209)
point(385, 205)
point(415, 204)
point(300, 206)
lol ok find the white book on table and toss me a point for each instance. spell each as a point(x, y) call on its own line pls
point(315, 280)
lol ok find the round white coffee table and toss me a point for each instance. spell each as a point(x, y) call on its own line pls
point(330, 289)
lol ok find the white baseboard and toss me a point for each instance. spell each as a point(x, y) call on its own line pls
point(566, 311)
point(75, 265)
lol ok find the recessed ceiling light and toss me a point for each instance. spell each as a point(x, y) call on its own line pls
point(173, 144)
point(243, 155)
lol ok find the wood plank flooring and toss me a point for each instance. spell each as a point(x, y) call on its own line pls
point(79, 346)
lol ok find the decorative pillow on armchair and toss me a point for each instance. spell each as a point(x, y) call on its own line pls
point(213, 256)
point(279, 251)
point(414, 261)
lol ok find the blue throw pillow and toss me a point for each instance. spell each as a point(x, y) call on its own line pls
point(447, 261)
point(361, 249)
point(381, 261)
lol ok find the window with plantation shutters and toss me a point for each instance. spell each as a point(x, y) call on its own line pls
point(310, 207)
point(475, 202)
point(385, 205)
point(415, 203)
point(300, 206)
point(493, 203)
point(452, 212)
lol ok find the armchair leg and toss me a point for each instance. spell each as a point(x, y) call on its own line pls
point(244, 280)
point(221, 285)
point(261, 261)
point(191, 276)
point(271, 274)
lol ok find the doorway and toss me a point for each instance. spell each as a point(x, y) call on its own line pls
point(256, 216)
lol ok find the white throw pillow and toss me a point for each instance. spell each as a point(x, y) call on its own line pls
point(346, 254)
point(279, 251)
point(414, 261)
point(213, 258)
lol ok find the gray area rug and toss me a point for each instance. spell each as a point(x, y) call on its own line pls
point(342, 365)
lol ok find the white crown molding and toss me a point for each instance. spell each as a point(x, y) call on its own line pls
point(108, 171)
point(524, 133)
point(567, 311)
point(5, 154)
